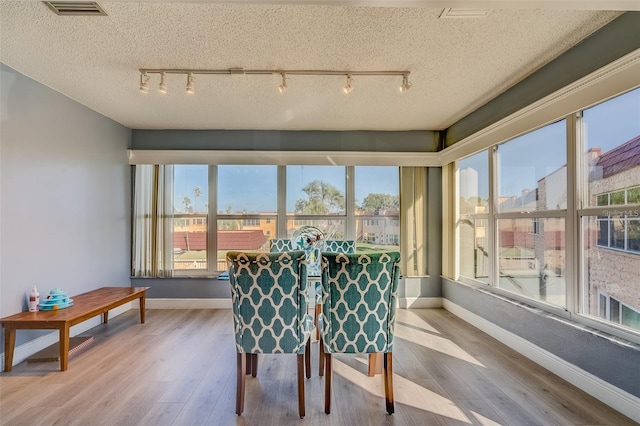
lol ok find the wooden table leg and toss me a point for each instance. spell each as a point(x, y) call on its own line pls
point(142, 300)
point(105, 317)
point(64, 347)
point(9, 345)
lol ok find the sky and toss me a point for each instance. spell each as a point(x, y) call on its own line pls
point(526, 159)
point(254, 188)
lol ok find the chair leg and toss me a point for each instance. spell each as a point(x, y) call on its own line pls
point(320, 358)
point(388, 381)
point(327, 385)
point(254, 365)
point(301, 385)
point(307, 359)
point(248, 368)
point(375, 364)
point(240, 380)
point(315, 320)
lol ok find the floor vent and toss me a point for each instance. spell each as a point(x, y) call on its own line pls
point(76, 8)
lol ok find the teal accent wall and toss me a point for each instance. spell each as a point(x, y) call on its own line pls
point(276, 140)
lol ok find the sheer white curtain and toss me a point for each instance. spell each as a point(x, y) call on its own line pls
point(153, 221)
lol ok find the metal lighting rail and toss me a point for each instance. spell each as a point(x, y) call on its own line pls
point(237, 71)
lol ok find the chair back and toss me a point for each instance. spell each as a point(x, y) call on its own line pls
point(340, 246)
point(278, 245)
point(359, 301)
point(269, 299)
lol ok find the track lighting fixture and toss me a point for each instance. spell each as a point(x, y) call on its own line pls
point(163, 84)
point(190, 73)
point(190, 80)
point(283, 87)
point(406, 85)
point(144, 82)
point(348, 88)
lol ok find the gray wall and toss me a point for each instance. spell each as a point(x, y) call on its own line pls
point(65, 191)
point(610, 359)
point(275, 140)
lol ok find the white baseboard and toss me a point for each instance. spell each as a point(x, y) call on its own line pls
point(616, 398)
point(188, 303)
point(24, 351)
point(419, 302)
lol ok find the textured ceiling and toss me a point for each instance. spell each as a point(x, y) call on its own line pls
point(456, 64)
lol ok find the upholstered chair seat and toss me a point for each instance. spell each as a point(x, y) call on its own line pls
point(269, 299)
point(358, 311)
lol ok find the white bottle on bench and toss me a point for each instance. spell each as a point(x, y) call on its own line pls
point(34, 300)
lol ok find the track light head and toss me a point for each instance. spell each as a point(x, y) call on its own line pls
point(144, 82)
point(283, 87)
point(163, 84)
point(190, 80)
point(406, 85)
point(348, 88)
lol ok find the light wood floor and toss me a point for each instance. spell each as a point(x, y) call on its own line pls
point(179, 369)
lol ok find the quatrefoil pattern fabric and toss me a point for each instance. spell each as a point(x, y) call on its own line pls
point(269, 299)
point(359, 301)
point(340, 246)
point(278, 245)
point(334, 246)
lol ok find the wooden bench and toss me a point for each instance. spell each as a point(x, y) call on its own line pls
point(85, 306)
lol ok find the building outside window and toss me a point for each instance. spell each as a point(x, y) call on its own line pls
point(610, 225)
point(527, 218)
point(242, 202)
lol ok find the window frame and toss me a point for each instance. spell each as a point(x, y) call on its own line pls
point(281, 217)
point(573, 216)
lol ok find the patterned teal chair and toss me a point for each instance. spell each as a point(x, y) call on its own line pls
point(331, 246)
point(358, 311)
point(340, 246)
point(278, 245)
point(269, 298)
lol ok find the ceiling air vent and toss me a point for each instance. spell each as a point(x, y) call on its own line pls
point(464, 13)
point(76, 8)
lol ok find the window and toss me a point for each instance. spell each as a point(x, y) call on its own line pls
point(621, 232)
point(610, 221)
point(190, 206)
point(613, 310)
point(377, 201)
point(513, 238)
point(247, 209)
point(215, 209)
point(532, 181)
point(516, 242)
point(473, 203)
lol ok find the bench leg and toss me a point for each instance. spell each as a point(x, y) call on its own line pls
point(64, 347)
point(142, 300)
point(9, 345)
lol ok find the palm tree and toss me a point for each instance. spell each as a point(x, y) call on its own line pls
point(186, 203)
point(196, 193)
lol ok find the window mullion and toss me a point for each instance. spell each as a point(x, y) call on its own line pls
point(492, 231)
point(572, 223)
point(281, 220)
point(212, 224)
point(350, 203)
